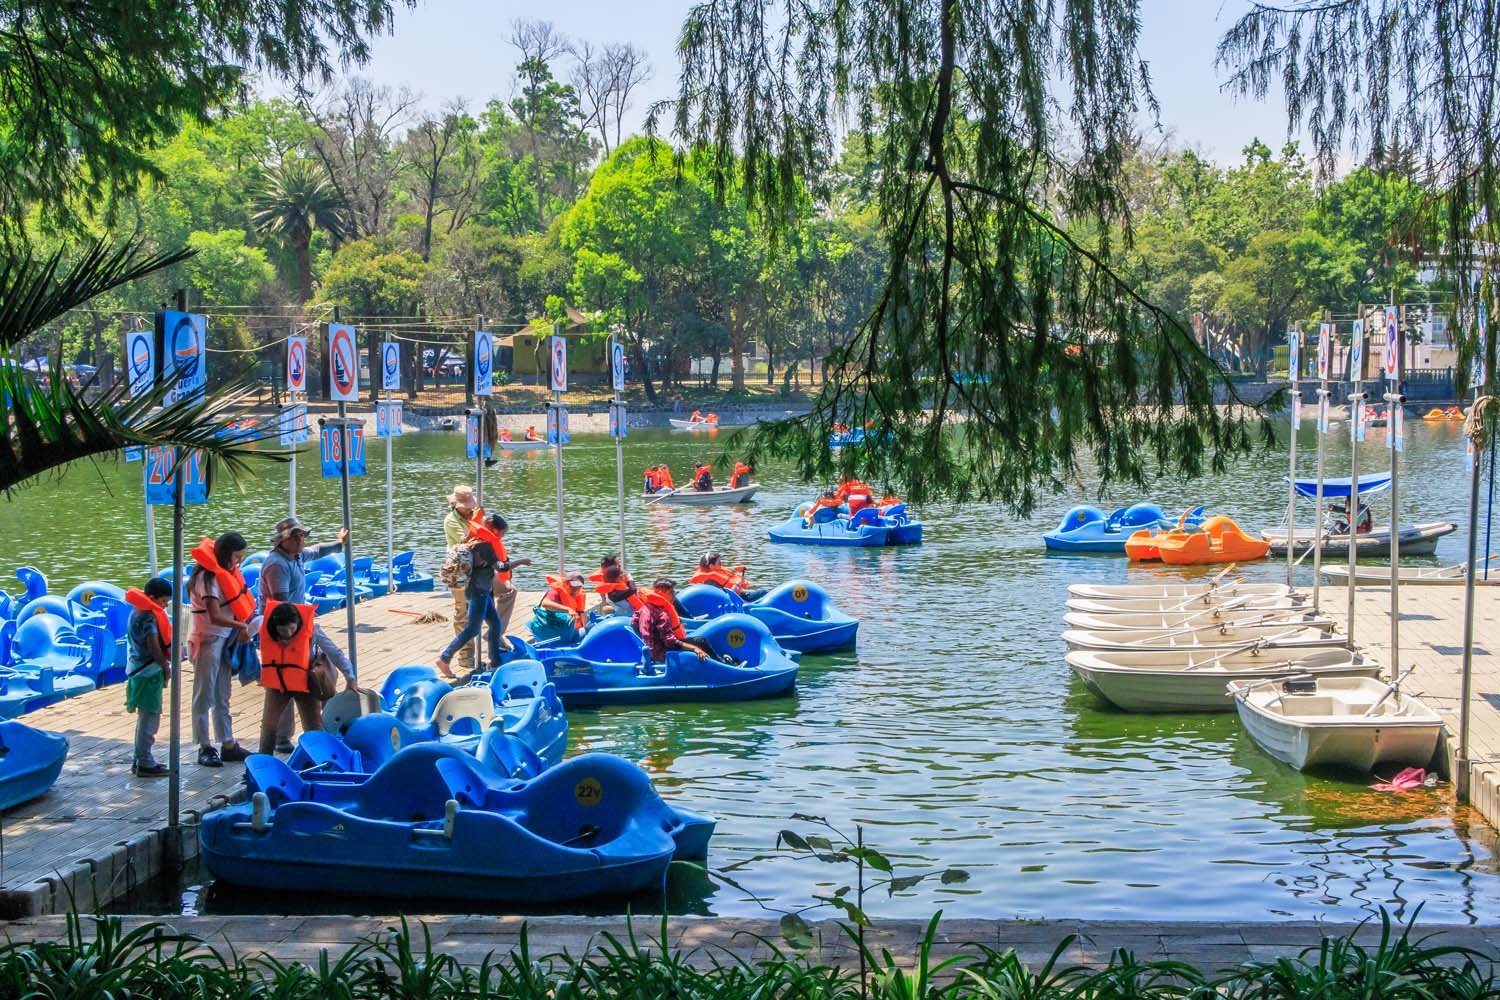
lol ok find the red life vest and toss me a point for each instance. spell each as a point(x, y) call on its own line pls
point(137, 598)
point(284, 665)
point(604, 588)
point(658, 601)
point(721, 577)
point(485, 533)
point(666, 478)
point(236, 593)
point(563, 594)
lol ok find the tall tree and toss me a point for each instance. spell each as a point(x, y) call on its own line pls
point(550, 124)
point(444, 174)
point(295, 200)
point(959, 103)
point(355, 139)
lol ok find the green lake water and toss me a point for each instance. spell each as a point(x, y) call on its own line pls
point(956, 734)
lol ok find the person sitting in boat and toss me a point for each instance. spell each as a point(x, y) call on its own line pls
point(650, 481)
point(665, 479)
point(659, 625)
point(531, 434)
point(560, 614)
point(741, 477)
point(711, 569)
point(696, 418)
point(615, 587)
point(148, 666)
point(703, 477)
point(505, 434)
point(712, 418)
point(1340, 524)
point(829, 499)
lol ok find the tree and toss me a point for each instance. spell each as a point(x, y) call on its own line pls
point(605, 77)
point(444, 169)
point(89, 90)
point(371, 281)
point(982, 275)
point(550, 125)
point(293, 202)
point(355, 140)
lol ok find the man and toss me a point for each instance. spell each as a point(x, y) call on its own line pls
point(660, 626)
point(283, 577)
point(461, 506)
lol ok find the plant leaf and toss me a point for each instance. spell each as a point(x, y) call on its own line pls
point(792, 840)
point(954, 876)
point(796, 932)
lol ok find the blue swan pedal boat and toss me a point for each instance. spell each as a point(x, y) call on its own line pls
point(1089, 529)
point(799, 614)
point(30, 761)
point(433, 822)
point(611, 666)
point(828, 527)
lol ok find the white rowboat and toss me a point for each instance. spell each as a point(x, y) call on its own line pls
point(693, 425)
point(1204, 602)
point(1343, 723)
point(1380, 576)
point(521, 445)
point(1174, 591)
point(705, 498)
point(1207, 638)
point(1189, 619)
point(1193, 681)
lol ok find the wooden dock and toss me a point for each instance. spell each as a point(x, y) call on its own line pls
point(1432, 639)
point(100, 832)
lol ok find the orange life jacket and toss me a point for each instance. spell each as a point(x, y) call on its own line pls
point(236, 593)
point(713, 418)
point(721, 577)
point(563, 594)
point(137, 598)
point(505, 435)
point(696, 416)
point(658, 601)
point(284, 665)
point(666, 478)
point(604, 588)
point(531, 434)
point(653, 480)
point(741, 469)
point(485, 533)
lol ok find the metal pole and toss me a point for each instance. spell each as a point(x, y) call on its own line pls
point(174, 727)
point(1356, 414)
point(292, 484)
point(1291, 489)
point(1317, 568)
point(619, 457)
point(1461, 765)
point(479, 409)
point(390, 517)
point(349, 594)
point(1394, 400)
point(558, 467)
point(150, 536)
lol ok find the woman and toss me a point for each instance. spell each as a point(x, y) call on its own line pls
point(615, 587)
point(559, 619)
point(491, 563)
point(741, 477)
point(223, 609)
point(711, 569)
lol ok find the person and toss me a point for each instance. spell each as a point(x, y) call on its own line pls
point(659, 625)
point(615, 586)
point(148, 666)
point(461, 507)
point(505, 434)
point(712, 418)
point(703, 477)
point(696, 418)
point(531, 433)
point(223, 610)
point(560, 613)
point(488, 591)
point(283, 577)
point(741, 477)
point(711, 569)
point(650, 480)
point(666, 479)
point(287, 635)
point(829, 500)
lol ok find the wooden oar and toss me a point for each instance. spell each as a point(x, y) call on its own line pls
point(1242, 647)
point(1221, 574)
point(1390, 689)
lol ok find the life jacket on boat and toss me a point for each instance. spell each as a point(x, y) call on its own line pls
point(852, 486)
point(604, 588)
point(236, 592)
point(703, 477)
point(665, 479)
point(741, 475)
point(284, 665)
point(560, 592)
point(724, 579)
point(653, 480)
point(712, 418)
point(531, 434)
point(697, 417)
point(665, 604)
point(505, 434)
point(136, 598)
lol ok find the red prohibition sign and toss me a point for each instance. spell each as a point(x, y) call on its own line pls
point(343, 361)
point(297, 364)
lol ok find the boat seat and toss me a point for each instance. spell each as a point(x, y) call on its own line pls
point(519, 679)
point(417, 705)
point(613, 641)
point(379, 736)
point(402, 678)
point(266, 773)
point(401, 566)
point(321, 751)
point(507, 756)
point(362, 565)
point(346, 706)
point(406, 789)
point(465, 711)
point(35, 582)
point(704, 600)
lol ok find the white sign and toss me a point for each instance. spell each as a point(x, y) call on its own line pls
point(390, 366)
point(1322, 414)
point(483, 363)
point(292, 424)
point(388, 419)
point(617, 364)
point(1325, 349)
point(296, 365)
point(1293, 348)
point(140, 362)
point(1296, 413)
point(343, 364)
point(1357, 351)
point(559, 364)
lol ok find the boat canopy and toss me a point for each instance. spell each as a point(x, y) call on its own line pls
point(1339, 486)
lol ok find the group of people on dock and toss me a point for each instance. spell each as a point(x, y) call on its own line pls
point(296, 663)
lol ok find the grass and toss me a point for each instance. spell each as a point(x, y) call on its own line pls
point(100, 960)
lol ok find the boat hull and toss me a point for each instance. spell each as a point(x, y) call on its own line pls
point(1380, 576)
point(1343, 742)
point(1186, 605)
point(1164, 620)
point(521, 445)
point(31, 764)
point(1173, 591)
point(1202, 640)
point(705, 498)
point(1416, 540)
point(794, 531)
point(693, 425)
point(1138, 682)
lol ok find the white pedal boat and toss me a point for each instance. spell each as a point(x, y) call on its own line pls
point(1159, 620)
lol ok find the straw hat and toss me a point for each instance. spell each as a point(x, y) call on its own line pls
point(463, 496)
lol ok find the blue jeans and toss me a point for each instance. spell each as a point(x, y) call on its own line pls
point(481, 610)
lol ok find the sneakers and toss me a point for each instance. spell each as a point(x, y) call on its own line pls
point(233, 753)
point(151, 770)
point(209, 757)
point(284, 746)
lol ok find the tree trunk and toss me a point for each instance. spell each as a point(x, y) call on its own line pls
point(738, 338)
point(304, 268)
point(639, 354)
point(413, 370)
point(373, 351)
point(770, 366)
point(714, 379)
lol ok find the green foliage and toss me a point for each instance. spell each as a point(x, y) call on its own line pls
point(293, 201)
point(368, 279)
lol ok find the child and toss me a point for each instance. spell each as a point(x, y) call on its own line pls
point(148, 666)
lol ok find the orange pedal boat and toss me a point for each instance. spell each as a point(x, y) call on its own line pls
point(1141, 546)
point(1220, 540)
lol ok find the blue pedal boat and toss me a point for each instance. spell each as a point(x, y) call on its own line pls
point(611, 666)
point(432, 822)
point(1089, 529)
point(408, 578)
point(799, 614)
point(30, 761)
point(829, 528)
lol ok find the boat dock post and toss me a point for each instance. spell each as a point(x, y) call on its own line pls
point(559, 382)
point(1325, 351)
point(1356, 433)
point(1396, 442)
point(1293, 343)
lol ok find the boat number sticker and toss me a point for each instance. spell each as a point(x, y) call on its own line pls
point(588, 792)
point(735, 638)
point(395, 738)
point(343, 364)
point(87, 597)
point(799, 593)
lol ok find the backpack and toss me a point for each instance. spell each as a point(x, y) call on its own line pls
point(457, 567)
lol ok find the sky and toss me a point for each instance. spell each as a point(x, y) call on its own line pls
point(446, 49)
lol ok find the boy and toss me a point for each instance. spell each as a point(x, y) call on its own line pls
point(148, 665)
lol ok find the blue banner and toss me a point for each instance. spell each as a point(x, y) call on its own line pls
point(158, 473)
point(618, 425)
point(332, 445)
point(557, 419)
point(483, 363)
point(388, 419)
point(134, 453)
point(140, 362)
point(292, 424)
point(471, 438)
point(184, 353)
point(390, 365)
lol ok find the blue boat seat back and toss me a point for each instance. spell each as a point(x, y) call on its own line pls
point(896, 512)
point(402, 678)
point(416, 705)
point(313, 578)
point(49, 640)
point(507, 756)
point(704, 600)
point(266, 773)
point(6, 604)
point(613, 641)
point(101, 646)
point(379, 736)
point(863, 516)
point(520, 649)
point(255, 559)
point(252, 577)
point(35, 582)
point(517, 680)
point(343, 708)
point(740, 636)
point(322, 751)
point(47, 604)
point(824, 515)
point(587, 801)
point(1116, 517)
point(465, 711)
point(116, 614)
point(362, 565)
point(1078, 517)
point(7, 640)
point(85, 592)
point(331, 565)
point(408, 788)
point(1143, 515)
point(401, 566)
point(800, 598)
